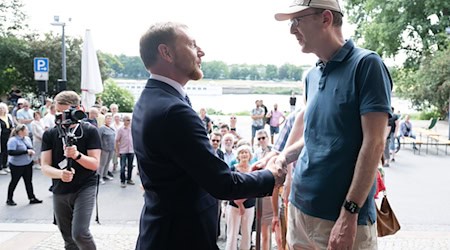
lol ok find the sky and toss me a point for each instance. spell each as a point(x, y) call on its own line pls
point(233, 31)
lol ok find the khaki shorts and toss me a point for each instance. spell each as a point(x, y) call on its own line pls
point(307, 232)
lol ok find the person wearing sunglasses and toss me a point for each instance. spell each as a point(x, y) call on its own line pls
point(348, 100)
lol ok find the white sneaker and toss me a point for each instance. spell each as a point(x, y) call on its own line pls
point(102, 182)
point(37, 166)
point(7, 170)
point(3, 172)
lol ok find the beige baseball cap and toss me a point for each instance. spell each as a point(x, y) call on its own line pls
point(299, 5)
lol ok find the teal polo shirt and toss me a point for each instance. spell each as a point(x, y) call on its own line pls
point(354, 82)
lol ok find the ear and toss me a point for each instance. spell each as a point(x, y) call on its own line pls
point(327, 18)
point(165, 53)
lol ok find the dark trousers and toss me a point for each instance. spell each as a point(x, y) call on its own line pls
point(73, 215)
point(18, 172)
point(126, 160)
point(3, 151)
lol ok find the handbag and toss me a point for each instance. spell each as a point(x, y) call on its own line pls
point(387, 223)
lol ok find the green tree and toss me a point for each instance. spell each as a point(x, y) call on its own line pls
point(12, 18)
point(235, 72)
point(111, 63)
point(133, 67)
point(429, 87)
point(16, 66)
point(271, 72)
point(112, 93)
point(415, 28)
point(254, 73)
point(215, 70)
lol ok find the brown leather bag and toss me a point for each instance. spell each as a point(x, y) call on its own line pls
point(387, 223)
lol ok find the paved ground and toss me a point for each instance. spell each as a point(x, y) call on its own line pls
point(418, 191)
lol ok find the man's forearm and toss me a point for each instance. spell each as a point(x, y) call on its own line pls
point(89, 161)
point(365, 171)
point(51, 172)
point(292, 152)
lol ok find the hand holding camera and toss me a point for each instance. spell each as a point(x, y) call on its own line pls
point(71, 152)
point(67, 175)
point(30, 152)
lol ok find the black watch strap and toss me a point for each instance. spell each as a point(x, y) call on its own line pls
point(351, 206)
point(79, 156)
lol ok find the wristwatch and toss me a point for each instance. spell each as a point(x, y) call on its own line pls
point(79, 156)
point(351, 206)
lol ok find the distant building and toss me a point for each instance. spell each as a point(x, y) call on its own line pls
point(137, 86)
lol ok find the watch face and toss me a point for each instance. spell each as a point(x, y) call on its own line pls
point(351, 206)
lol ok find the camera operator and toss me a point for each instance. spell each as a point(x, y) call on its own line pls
point(74, 188)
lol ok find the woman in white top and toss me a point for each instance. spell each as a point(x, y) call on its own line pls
point(116, 125)
point(37, 129)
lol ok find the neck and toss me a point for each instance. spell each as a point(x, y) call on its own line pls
point(169, 72)
point(333, 44)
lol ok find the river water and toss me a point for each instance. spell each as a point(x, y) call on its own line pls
point(233, 103)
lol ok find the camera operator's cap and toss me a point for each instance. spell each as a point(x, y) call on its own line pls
point(300, 5)
point(20, 101)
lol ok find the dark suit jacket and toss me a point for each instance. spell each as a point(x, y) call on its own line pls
point(220, 154)
point(181, 175)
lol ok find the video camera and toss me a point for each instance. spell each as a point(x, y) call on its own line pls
point(63, 122)
point(69, 117)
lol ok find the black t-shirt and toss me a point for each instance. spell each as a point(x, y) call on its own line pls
point(83, 177)
point(391, 122)
point(292, 100)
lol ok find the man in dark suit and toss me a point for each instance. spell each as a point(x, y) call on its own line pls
point(180, 173)
point(216, 140)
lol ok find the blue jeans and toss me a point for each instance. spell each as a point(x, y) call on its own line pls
point(126, 160)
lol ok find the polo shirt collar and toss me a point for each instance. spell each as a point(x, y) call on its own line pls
point(340, 55)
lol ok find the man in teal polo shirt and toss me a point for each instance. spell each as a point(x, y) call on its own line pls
point(348, 100)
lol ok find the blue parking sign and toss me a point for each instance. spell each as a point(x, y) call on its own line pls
point(41, 64)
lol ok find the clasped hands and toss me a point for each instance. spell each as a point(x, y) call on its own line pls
point(277, 165)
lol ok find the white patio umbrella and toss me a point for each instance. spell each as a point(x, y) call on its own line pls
point(91, 80)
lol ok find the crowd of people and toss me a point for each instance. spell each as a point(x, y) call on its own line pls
point(316, 183)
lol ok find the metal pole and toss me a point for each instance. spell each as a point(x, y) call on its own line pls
point(258, 208)
point(64, 76)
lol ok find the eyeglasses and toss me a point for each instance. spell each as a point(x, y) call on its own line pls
point(296, 20)
point(215, 140)
point(261, 138)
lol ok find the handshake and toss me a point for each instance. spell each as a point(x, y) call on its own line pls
point(277, 165)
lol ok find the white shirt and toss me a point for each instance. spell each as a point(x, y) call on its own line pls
point(176, 85)
point(49, 121)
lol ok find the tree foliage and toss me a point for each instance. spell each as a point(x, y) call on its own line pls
point(414, 27)
point(123, 66)
point(220, 70)
point(428, 88)
point(16, 66)
point(12, 18)
point(112, 93)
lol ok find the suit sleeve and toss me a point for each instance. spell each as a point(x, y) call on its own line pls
point(196, 157)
